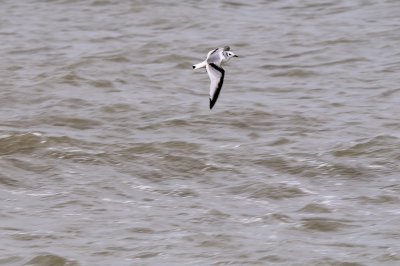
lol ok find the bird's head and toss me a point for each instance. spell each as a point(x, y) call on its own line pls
point(228, 55)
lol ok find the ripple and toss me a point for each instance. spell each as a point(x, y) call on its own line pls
point(313, 167)
point(9, 181)
point(373, 147)
point(72, 79)
point(146, 255)
point(72, 122)
point(268, 191)
point(10, 260)
point(325, 224)
point(315, 208)
point(381, 199)
point(101, 83)
point(51, 260)
point(296, 73)
point(20, 142)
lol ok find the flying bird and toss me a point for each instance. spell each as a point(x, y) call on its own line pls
point(215, 72)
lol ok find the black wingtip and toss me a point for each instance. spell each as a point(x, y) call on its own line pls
point(193, 67)
point(218, 90)
point(212, 103)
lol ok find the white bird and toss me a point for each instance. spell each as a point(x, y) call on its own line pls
point(215, 72)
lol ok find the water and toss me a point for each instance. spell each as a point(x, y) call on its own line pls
point(109, 154)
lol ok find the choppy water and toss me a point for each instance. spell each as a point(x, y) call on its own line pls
point(110, 156)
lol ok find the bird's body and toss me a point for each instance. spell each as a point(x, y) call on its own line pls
point(216, 73)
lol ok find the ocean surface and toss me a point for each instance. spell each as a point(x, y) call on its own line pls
point(109, 154)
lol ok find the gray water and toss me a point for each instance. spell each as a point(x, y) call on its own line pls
point(109, 154)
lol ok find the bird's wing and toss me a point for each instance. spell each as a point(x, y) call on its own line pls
point(216, 75)
point(214, 56)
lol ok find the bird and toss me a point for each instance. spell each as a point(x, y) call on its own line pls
point(216, 73)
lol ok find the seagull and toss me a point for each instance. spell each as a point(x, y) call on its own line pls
point(215, 72)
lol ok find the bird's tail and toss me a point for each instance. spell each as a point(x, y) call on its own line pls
point(199, 65)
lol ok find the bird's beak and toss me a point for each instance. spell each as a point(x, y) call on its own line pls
point(235, 56)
